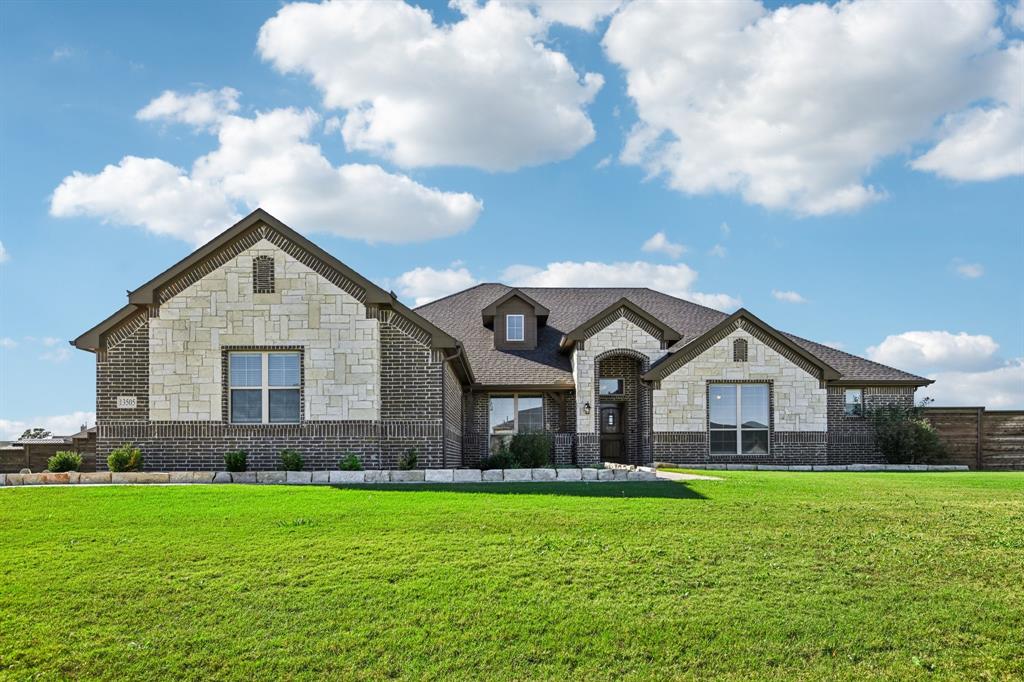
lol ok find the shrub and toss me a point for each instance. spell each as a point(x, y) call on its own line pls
point(499, 460)
point(350, 462)
point(125, 458)
point(905, 437)
point(236, 460)
point(530, 450)
point(64, 461)
point(408, 460)
point(291, 460)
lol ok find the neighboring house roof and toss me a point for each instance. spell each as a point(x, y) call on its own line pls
point(147, 293)
point(459, 315)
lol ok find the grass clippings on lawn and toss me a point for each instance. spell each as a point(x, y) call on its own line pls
point(762, 575)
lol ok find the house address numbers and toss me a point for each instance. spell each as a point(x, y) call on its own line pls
point(127, 402)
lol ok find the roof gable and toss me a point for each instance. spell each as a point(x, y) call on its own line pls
point(620, 308)
point(257, 226)
point(747, 321)
point(491, 310)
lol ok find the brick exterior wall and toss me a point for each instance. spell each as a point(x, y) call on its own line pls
point(559, 423)
point(636, 403)
point(851, 439)
point(452, 400)
point(411, 405)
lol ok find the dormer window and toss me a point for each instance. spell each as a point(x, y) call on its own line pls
point(515, 326)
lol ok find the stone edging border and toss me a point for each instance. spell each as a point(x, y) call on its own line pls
point(821, 467)
point(337, 477)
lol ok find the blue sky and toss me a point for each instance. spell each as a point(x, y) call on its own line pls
point(860, 189)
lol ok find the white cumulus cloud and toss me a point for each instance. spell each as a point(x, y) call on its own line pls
point(792, 107)
point(201, 109)
point(8, 342)
point(582, 14)
point(936, 350)
point(659, 243)
point(4, 256)
point(985, 143)
point(266, 161)
point(1000, 388)
point(788, 296)
point(423, 285)
point(484, 91)
point(675, 280)
point(58, 425)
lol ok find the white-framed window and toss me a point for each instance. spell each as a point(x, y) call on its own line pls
point(610, 386)
point(515, 327)
point(853, 402)
point(512, 414)
point(738, 419)
point(263, 387)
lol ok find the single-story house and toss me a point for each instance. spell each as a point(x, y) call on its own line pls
point(260, 340)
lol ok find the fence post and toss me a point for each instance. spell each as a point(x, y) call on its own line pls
point(977, 445)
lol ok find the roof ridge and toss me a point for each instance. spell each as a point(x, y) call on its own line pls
point(455, 293)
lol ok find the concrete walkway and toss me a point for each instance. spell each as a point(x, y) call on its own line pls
point(674, 476)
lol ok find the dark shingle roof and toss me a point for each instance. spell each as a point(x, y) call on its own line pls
point(460, 316)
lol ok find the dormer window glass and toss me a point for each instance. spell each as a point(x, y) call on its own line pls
point(514, 327)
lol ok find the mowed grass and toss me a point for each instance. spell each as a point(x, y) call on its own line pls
point(760, 575)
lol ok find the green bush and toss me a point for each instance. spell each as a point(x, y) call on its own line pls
point(291, 460)
point(236, 460)
point(409, 459)
point(64, 461)
point(531, 450)
point(499, 460)
point(125, 458)
point(904, 436)
point(350, 462)
point(524, 451)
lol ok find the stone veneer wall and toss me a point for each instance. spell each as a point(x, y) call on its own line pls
point(680, 403)
point(851, 440)
point(797, 406)
point(406, 378)
point(342, 363)
point(619, 333)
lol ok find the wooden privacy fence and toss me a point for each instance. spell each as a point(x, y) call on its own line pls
point(980, 438)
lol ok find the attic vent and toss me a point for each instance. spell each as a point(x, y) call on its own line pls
point(739, 350)
point(262, 275)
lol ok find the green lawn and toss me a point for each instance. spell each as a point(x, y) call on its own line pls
point(760, 575)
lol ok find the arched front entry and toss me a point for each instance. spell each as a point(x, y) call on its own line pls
point(623, 406)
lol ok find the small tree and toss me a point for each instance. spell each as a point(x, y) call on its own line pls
point(904, 436)
point(35, 433)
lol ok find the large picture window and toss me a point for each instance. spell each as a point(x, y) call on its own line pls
point(263, 387)
point(738, 419)
point(512, 414)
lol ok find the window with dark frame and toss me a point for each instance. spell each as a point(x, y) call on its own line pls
point(264, 387)
point(853, 402)
point(610, 386)
point(738, 419)
point(262, 275)
point(512, 414)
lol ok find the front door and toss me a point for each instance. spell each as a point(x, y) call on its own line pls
point(613, 434)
